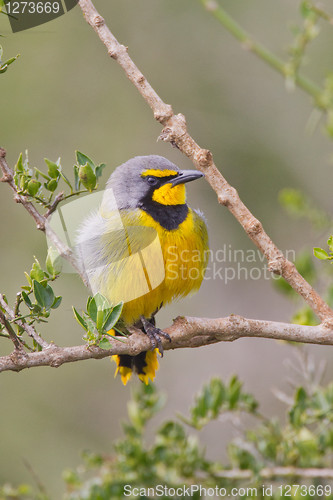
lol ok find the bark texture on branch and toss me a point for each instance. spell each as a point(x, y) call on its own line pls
point(185, 332)
point(175, 132)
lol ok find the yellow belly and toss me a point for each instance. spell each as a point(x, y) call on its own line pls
point(155, 266)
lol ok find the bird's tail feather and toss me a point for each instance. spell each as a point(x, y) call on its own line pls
point(144, 365)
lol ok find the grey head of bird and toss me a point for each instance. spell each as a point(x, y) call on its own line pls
point(146, 180)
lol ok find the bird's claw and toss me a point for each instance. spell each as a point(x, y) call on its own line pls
point(154, 334)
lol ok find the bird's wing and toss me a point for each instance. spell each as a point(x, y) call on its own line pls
point(112, 248)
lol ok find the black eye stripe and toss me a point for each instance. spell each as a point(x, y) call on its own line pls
point(162, 179)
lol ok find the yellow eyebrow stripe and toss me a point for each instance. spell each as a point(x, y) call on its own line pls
point(159, 173)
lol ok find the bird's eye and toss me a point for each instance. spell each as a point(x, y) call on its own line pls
point(152, 181)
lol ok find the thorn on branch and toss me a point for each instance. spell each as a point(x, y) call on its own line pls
point(254, 228)
point(223, 199)
point(164, 115)
point(205, 158)
point(19, 357)
point(140, 80)
point(328, 323)
point(165, 135)
point(98, 21)
point(276, 266)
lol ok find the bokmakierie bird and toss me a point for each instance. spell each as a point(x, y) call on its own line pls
point(145, 247)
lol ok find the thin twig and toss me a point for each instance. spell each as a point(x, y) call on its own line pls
point(60, 197)
point(41, 221)
point(176, 133)
point(248, 43)
point(12, 335)
point(28, 328)
point(185, 332)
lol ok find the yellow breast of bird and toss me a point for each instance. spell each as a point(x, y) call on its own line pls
point(145, 265)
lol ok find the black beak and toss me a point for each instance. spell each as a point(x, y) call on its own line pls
point(186, 176)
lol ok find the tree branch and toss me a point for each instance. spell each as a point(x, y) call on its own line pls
point(176, 133)
point(263, 53)
point(185, 332)
point(41, 221)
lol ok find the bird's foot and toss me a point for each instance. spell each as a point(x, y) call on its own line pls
point(154, 334)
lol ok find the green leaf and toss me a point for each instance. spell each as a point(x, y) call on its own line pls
point(87, 177)
point(99, 319)
point(76, 178)
point(234, 390)
point(92, 308)
point(49, 296)
point(53, 262)
point(99, 170)
point(80, 320)
point(56, 303)
point(320, 253)
point(28, 278)
point(305, 9)
point(330, 243)
point(300, 396)
point(19, 165)
point(27, 300)
point(102, 302)
point(105, 344)
point(51, 185)
point(53, 168)
point(113, 317)
point(37, 272)
point(33, 187)
point(44, 295)
point(38, 292)
point(63, 176)
point(83, 159)
point(39, 172)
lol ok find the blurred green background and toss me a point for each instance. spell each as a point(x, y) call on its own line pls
point(63, 94)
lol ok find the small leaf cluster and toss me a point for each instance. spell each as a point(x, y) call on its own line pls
point(175, 457)
point(98, 320)
point(37, 297)
point(44, 298)
point(41, 185)
point(86, 172)
point(322, 254)
point(217, 397)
